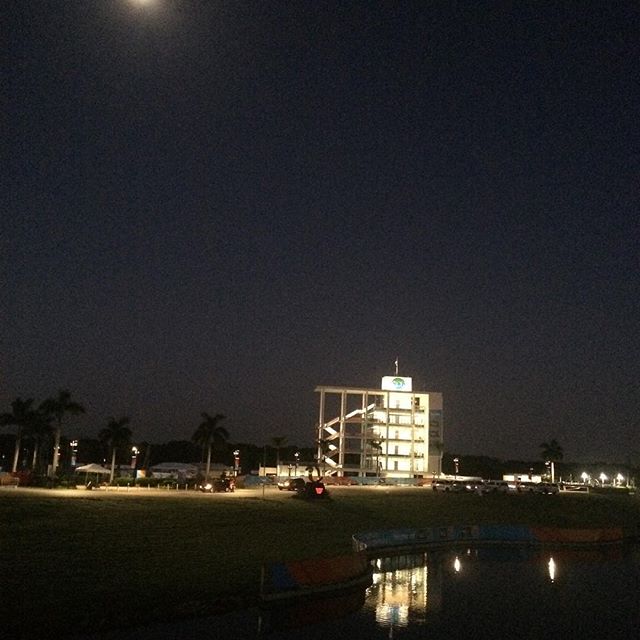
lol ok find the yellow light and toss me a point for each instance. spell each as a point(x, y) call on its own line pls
point(552, 569)
point(143, 5)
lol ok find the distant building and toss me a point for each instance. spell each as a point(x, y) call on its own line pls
point(174, 470)
point(390, 432)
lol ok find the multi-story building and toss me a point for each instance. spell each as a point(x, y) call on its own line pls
point(390, 432)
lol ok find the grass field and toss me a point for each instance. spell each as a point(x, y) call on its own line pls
point(78, 560)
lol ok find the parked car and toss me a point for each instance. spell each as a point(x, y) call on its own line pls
point(219, 485)
point(442, 484)
point(495, 486)
point(526, 486)
point(473, 485)
point(291, 484)
point(470, 485)
point(537, 487)
point(548, 488)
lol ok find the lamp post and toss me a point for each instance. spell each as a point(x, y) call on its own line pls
point(296, 455)
point(236, 462)
point(455, 463)
point(551, 471)
point(134, 456)
point(552, 569)
point(134, 460)
point(74, 452)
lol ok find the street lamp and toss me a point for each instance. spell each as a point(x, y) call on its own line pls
point(585, 477)
point(603, 477)
point(551, 470)
point(296, 455)
point(455, 462)
point(134, 459)
point(552, 569)
point(74, 452)
point(236, 461)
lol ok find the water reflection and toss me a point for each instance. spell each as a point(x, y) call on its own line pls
point(492, 592)
point(399, 584)
point(495, 592)
point(476, 593)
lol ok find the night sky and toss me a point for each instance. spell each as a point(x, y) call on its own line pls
point(218, 205)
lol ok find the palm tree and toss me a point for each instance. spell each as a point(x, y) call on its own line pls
point(57, 407)
point(21, 415)
point(323, 450)
point(278, 442)
point(376, 446)
point(115, 436)
point(210, 434)
point(38, 428)
point(310, 469)
point(437, 448)
point(552, 452)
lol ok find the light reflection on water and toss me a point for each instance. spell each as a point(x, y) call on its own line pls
point(475, 593)
point(493, 593)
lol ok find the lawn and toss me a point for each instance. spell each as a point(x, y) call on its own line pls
point(78, 560)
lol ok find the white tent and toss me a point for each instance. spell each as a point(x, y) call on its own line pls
point(92, 468)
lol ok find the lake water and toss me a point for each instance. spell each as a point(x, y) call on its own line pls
point(475, 593)
point(491, 593)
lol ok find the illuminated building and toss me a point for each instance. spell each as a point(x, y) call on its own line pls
point(391, 432)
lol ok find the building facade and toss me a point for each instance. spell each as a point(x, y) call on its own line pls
point(390, 432)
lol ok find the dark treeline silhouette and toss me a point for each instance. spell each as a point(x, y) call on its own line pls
point(94, 450)
point(494, 468)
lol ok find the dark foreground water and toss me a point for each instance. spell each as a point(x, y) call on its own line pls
point(455, 594)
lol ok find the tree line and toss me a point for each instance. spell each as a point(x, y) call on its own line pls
point(41, 424)
point(38, 429)
point(551, 454)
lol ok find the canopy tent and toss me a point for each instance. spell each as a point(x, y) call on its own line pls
point(93, 468)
